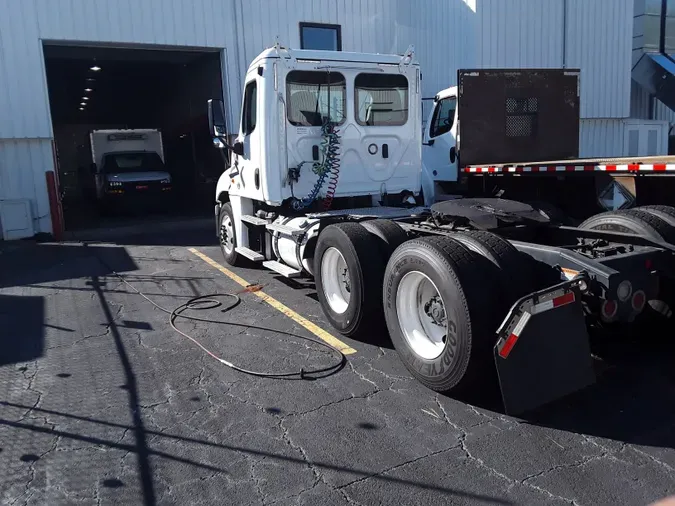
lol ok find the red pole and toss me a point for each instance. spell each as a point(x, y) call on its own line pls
point(54, 206)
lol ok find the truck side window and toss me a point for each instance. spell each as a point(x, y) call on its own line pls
point(250, 110)
point(444, 117)
point(381, 100)
point(315, 97)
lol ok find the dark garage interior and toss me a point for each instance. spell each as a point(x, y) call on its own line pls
point(102, 88)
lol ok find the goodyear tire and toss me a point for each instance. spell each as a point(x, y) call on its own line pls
point(388, 234)
point(515, 271)
point(226, 235)
point(632, 221)
point(348, 270)
point(666, 213)
point(437, 283)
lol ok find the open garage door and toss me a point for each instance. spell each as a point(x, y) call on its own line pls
point(105, 88)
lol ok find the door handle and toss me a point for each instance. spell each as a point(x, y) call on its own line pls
point(385, 150)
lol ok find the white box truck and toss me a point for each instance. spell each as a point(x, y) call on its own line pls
point(129, 164)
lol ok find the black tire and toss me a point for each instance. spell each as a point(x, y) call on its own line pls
point(666, 213)
point(515, 271)
point(365, 266)
point(469, 293)
point(231, 257)
point(632, 221)
point(389, 235)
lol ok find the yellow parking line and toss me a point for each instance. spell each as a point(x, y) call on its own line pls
point(300, 320)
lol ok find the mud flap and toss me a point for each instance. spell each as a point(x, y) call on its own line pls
point(542, 352)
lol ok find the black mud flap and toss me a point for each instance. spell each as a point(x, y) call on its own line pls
point(542, 352)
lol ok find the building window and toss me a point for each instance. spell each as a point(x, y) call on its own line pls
point(250, 110)
point(320, 36)
point(381, 99)
point(315, 97)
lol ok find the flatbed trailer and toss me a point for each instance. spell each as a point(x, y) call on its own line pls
point(465, 287)
point(515, 133)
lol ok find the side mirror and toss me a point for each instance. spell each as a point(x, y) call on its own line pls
point(92, 167)
point(238, 148)
point(217, 124)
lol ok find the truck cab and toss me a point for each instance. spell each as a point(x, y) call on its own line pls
point(370, 100)
point(439, 152)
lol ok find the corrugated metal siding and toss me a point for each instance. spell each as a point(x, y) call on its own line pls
point(519, 33)
point(599, 42)
point(23, 164)
point(529, 33)
point(640, 106)
point(601, 138)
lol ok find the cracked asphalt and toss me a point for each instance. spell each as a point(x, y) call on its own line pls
point(103, 403)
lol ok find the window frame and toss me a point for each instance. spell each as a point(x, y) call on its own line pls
point(337, 28)
point(245, 118)
point(356, 100)
point(434, 117)
point(289, 101)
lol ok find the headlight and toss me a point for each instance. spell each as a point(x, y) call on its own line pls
point(114, 183)
point(166, 181)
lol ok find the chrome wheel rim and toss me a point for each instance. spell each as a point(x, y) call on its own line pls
point(227, 234)
point(335, 280)
point(421, 315)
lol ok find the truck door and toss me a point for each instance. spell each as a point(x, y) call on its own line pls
point(438, 154)
point(245, 181)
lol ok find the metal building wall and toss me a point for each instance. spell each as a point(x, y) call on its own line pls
point(25, 123)
point(596, 35)
point(442, 31)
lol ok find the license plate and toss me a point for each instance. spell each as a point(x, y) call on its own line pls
point(141, 187)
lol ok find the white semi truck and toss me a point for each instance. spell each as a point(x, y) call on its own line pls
point(324, 180)
point(128, 164)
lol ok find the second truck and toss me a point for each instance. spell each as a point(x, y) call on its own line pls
point(324, 179)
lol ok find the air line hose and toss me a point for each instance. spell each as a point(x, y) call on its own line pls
point(205, 302)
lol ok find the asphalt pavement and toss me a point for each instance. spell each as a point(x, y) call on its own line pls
point(102, 402)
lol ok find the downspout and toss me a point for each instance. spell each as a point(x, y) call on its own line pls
point(564, 35)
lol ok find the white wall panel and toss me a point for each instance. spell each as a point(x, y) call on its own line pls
point(23, 164)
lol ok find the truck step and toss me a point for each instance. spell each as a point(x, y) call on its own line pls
point(285, 229)
point(285, 270)
point(253, 220)
point(249, 253)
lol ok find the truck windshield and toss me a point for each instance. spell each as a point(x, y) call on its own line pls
point(132, 162)
point(315, 97)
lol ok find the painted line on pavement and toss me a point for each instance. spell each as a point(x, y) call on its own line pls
point(282, 308)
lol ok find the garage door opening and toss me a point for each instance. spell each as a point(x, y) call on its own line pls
point(103, 88)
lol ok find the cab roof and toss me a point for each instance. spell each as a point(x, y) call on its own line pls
point(334, 56)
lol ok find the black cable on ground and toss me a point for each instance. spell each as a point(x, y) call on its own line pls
point(205, 302)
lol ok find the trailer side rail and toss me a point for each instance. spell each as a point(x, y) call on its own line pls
point(588, 167)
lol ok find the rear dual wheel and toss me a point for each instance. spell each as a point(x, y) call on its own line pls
point(439, 306)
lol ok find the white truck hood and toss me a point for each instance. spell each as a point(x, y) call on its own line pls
point(132, 177)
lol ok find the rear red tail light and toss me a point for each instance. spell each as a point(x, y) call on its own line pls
point(609, 309)
point(639, 300)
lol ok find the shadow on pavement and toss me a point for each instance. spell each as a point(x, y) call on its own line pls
point(632, 401)
point(362, 473)
point(21, 328)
